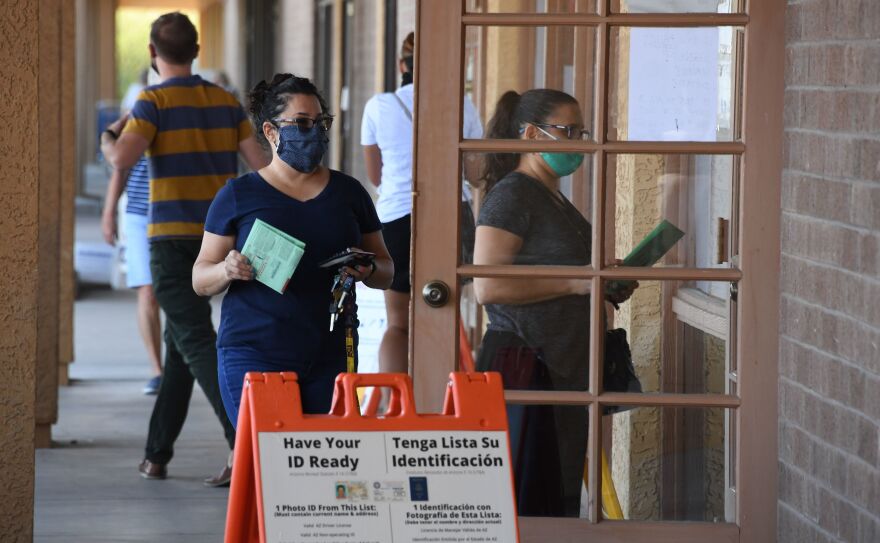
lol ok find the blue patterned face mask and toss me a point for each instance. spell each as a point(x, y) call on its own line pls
point(301, 149)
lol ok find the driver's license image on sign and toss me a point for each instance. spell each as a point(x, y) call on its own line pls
point(386, 487)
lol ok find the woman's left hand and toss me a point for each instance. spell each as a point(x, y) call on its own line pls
point(622, 291)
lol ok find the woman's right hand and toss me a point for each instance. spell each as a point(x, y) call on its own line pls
point(236, 266)
point(580, 287)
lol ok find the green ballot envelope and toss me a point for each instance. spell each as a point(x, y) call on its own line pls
point(273, 254)
point(651, 249)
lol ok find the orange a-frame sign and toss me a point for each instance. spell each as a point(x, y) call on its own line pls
point(347, 477)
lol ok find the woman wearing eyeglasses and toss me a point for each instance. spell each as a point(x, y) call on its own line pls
point(538, 333)
point(260, 329)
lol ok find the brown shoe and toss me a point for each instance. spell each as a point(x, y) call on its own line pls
point(152, 470)
point(224, 477)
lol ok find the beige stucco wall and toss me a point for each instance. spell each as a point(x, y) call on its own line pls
point(637, 434)
point(69, 183)
point(714, 430)
point(49, 171)
point(19, 186)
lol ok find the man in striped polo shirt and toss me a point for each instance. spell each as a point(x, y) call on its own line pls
point(192, 132)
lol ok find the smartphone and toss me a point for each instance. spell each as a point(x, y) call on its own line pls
point(348, 257)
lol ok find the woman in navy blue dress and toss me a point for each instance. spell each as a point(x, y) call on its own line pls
point(260, 329)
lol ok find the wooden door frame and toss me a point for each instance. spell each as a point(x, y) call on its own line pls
point(437, 163)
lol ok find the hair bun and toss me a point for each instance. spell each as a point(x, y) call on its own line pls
point(409, 45)
point(256, 97)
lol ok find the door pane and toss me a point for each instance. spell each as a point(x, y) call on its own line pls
point(531, 6)
point(548, 443)
point(503, 58)
point(668, 463)
point(677, 6)
point(678, 334)
point(674, 84)
point(694, 193)
point(540, 346)
point(555, 223)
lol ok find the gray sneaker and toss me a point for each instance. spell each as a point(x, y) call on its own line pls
point(152, 386)
point(224, 477)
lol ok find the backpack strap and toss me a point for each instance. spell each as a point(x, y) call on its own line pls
point(403, 106)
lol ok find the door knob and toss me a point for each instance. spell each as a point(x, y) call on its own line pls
point(435, 293)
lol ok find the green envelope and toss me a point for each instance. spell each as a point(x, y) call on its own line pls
point(273, 254)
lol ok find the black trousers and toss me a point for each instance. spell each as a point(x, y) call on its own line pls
point(548, 443)
point(190, 347)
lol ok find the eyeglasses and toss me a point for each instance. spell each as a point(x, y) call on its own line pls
point(572, 131)
point(306, 123)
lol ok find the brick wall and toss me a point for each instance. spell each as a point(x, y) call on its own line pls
point(829, 385)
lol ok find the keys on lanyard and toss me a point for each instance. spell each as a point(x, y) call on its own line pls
point(342, 287)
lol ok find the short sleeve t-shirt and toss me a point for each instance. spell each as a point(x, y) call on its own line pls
point(553, 233)
point(194, 128)
point(138, 188)
point(386, 124)
point(293, 325)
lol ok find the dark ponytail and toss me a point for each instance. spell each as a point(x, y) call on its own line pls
point(267, 100)
point(512, 113)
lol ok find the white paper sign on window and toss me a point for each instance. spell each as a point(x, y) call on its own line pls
point(673, 84)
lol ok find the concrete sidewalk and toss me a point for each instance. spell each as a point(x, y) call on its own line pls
point(87, 486)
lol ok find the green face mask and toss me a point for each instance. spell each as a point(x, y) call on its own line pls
point(563, 163)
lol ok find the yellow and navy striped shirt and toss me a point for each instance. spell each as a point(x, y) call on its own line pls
point(194, 128)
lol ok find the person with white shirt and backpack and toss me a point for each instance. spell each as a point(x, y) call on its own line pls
point(387, 138)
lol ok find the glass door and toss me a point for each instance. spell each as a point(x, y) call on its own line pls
point(671, 112)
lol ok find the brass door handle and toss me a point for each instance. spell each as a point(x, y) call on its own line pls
point(435, 293)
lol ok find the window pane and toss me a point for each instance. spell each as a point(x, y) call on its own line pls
point(548, 442)
point(539, 325)
point(678, 336)
point(674, 84)
point(531, 6)
point(540, 346)
point(677, 6)
point(670, 463)
point(553, 218)
point(549, 446)
point(693, 193)
point(503, 58)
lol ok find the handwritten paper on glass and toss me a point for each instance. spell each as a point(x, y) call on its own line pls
point(673, 84)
